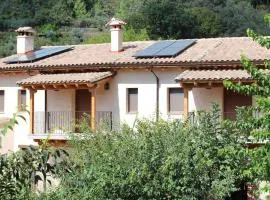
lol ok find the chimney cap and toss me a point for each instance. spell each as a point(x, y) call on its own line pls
point(26, 29)
point(116, 22)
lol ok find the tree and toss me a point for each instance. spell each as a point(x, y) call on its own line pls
point(207, 22)
point(257, 126)
point(156, 160)
point(80, 9)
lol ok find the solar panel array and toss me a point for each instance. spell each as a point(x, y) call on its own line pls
point(165, 49)
point(37, 55)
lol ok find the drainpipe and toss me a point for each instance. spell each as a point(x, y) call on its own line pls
point(157, 94)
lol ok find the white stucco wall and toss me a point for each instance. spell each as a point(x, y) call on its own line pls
point(21, 131)
point(60, 100)
point(203, 99)
point(115, 99)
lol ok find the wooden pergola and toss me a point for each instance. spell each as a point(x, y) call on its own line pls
point(190, 79)
point(58, 82)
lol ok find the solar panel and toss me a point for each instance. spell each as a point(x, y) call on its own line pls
point(37, 55)
point(165, 49)
point(176, 48)
point(153, 49)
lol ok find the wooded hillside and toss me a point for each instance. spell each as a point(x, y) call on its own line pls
point(150, 19)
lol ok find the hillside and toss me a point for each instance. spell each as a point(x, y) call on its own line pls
point(68, 21)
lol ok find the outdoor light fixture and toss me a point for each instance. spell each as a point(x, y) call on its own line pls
point(106, 86)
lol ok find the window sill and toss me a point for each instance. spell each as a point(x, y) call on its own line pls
point(132, 113)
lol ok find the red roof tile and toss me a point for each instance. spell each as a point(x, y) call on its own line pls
point(212, 50)
point(212, 75)
point(70, 78)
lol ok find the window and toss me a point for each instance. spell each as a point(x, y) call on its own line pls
point(21, 99)
point(176, 100)
point(2, 100)
point(132, 97)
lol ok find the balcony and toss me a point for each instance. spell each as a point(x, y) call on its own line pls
point(193, 116)
point(57, 125)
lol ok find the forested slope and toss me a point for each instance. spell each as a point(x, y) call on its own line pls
point(152, 19)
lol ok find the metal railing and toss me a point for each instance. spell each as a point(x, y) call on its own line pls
point(193, 116)
point(63, 122)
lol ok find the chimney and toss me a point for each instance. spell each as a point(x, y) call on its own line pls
point(116, 26)
point(25, 40)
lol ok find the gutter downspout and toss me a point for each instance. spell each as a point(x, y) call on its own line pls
point(157, 93)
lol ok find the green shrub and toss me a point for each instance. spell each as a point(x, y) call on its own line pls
point(156, 160)
point(128, 34)
point(18, 171)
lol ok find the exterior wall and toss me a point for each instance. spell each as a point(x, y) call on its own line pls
point(203, 99)
point(115, 99)
point(60, 100)
point(20, 134)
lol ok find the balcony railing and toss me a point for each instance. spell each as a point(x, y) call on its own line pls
point(193, 116)
point(64, 122)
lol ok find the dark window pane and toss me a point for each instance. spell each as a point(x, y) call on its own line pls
point(23, 97)
point(176, 100)
point(2, 100)
point(132, 99)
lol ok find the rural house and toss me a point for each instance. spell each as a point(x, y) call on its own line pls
point(119, 82)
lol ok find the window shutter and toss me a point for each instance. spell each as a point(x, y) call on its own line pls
point(176, 100)
point(132, 99)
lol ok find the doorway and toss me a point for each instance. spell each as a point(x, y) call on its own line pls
point(233, 100)
point(83, 104)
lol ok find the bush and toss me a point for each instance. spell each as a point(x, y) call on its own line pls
point(19, 171)
point(156, 160)
point(128, 34)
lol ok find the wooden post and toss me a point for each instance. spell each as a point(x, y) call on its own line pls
point(222, 105)
point(185, 103)
point(32, 110)
point(93, 109)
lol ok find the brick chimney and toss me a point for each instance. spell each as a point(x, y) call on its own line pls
point(25, 40)
point(116, 27)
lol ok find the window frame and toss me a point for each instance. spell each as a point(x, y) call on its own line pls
point(20, 98)
point(128, 101)
point(169, 101)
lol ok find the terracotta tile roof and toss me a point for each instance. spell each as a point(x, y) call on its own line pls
point(212, 75)
point(205, 51)
point(70, 78)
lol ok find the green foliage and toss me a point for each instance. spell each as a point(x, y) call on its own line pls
point(13, 121)
point(129, 35)
point(19, 171)
point(101, 38)
point(152, 19)
point(258, 126)
point(208, 22)
point(7, 44)
point(192, 19)
point(135, 35)
point(80, 9)
point(155, 160)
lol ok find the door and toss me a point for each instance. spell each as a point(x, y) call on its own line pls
point(83, 104)
point(233, 100)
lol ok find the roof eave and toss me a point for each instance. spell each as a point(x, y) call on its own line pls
point(115, 65)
